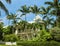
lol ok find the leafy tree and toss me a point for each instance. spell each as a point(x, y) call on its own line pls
point(8, 30)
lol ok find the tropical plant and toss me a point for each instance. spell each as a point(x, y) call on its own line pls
point(3, 7)
point(9, 18)
point(7, 30)
point(24, 9)
point(47, 20)
point(21, 25)
point(11, 38)
point(14, 19)
point(1, 30)
point(56, 9)
point(35, 10)
point(55, 33)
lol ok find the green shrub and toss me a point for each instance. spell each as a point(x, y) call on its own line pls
point(55, 33)
point(11, 38)
point(44, 36)
point(41, 43)
point(42, 40)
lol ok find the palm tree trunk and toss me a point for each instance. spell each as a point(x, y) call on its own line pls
point(25, 23)
point(9, 22)
point(56, 18)
point(57, 22)
point(25, 18)
point(35, 24)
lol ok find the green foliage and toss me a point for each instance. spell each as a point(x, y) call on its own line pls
point(11, 37)
point(7, 30)
point(45, 35)
point(36, 43)
point(42, 38)
point(3, 7)
point(55, 32)
point(1, 30)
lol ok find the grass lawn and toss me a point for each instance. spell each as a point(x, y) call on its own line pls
point(2, 45)
point(7, 45)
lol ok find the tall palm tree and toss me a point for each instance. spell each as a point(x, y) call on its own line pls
point(46, 13)
point(24, 9)
point(56, 6)
point(35, 10)
point(14, 19)
point(9, 18)
point(3, 7)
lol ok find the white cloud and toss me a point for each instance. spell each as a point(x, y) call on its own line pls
point(31, 22)
point(36, 18)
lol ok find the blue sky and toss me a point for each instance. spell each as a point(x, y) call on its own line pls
point(16, 4)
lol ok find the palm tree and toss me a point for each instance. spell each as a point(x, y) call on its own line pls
point(14, 18)
point(24, 9)
point(48, 22)
point(2, 6)
point(9, 18)
point(56, 6)
point(35, 10)
point(45, 12)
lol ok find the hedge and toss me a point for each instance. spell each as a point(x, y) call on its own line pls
point(34, 43)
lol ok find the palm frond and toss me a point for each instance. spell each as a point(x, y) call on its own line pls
point(22, 15)
point(44, 17)
point(48, 8)
point(49, 3)
point(8, 1)
point(24, 9)
point(53, 12)
point(35, 9)
point(59, 4)
point(3, 7)
point(43, 8)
